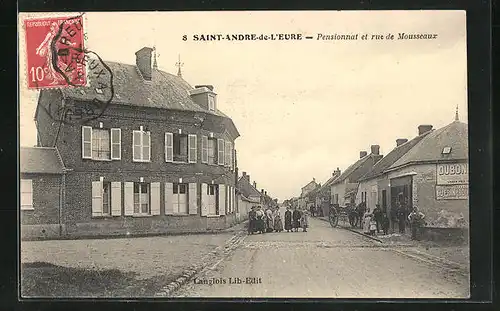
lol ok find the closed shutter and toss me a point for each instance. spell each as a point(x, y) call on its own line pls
point(222, 199)
point(116, 198)
point(169, 193)
point(96, 198)
point(204, 200)
point(235, 202)
point(204, 149)
point(192, 148)
point(86, 142)
point(230, 155)
point(193, 198)
point(230, 198)
point(129, 198)
point(169, 147)
point(155, 198)
point(220, 151)
point(116, 144)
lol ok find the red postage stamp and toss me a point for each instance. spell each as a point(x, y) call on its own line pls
point(55, 52)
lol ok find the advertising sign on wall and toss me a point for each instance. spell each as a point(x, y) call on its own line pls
point(452, 174)
point(452, 192)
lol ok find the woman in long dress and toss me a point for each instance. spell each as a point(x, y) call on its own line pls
point(367, 217)
point(278, 225)
point(296, 219)
point(259, 224)
point(269, 220)
point(288, 219)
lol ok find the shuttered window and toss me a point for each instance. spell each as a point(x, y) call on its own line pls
point(169, 147)
point(26, 194)
point(141, 141)
point(116, 144)
point(106, 198)
point(180, 198)
point(141, 199)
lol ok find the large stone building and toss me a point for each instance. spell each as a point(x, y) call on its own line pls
point(159, 159)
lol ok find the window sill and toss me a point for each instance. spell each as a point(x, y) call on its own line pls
point(104, 216)
point(181, 215)
point(140, 161)
point(140, 216)
point(101, 160)
point(27, 209)
point(213, 216)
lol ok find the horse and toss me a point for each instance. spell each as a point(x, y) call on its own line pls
point(356, 214)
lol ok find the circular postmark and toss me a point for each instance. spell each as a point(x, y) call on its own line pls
point(89, 80)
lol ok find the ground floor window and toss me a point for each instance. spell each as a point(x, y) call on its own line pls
point(180, 198)
point(141, 198)
point(106, 198)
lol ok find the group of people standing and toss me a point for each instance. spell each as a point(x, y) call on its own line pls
point(265, 221)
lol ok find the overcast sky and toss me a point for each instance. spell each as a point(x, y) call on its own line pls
point(302, 108)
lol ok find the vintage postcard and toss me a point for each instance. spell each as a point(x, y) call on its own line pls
point(278, 154)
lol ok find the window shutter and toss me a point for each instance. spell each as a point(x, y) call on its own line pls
point(193, 198)
point(155, 198)
point(204, 149)
point(222, 199)
point(230, 199)
point(220, 150)
point(169, 147)
point(96, 198)
point(233, 194)
point(230, 155)
point(26, 194)
point(169, 193)
point(116, 198)
point(204, 200)
point(116, 144)
point(192, 148)
point(129, 198)
point(86, 142)
point(146, 146)
point(136, 145)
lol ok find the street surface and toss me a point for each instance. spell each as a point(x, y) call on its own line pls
point(323, 262)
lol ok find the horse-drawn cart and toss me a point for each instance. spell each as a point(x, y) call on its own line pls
point(346, 214)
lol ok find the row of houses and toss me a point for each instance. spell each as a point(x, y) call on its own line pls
point(429, 171)
point(160, 159)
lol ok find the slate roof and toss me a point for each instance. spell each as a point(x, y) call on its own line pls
point(41, 160)
point(396, 153)
point(247, 188)
point(454, 135)
point(165, 90)
point(354, 167)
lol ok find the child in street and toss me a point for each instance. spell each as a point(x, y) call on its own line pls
point(373, 225)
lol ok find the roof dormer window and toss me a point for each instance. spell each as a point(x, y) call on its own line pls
point(211, 102)
point(446, 150)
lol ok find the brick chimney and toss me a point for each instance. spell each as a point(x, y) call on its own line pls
point(143, 59)
point(400, 141)
point(424, 129)
point(362, 154)
point(375, 149)
point(255, 185)
point(245, 176)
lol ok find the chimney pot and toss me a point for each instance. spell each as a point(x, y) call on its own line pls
point(244, 173)
point(400, 141)
point(424, 128)
point(143, 60)
point(362, 154)
point(375, 149)
point(255, 185)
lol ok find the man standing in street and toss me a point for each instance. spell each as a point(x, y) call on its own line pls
point(416, 220)
point(377, 214)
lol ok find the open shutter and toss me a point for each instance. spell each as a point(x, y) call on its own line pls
point(220, 150)
point(169, 193)
point(129, 198)
point(116, 144)
point(204, 200)
point(193, 198)
point(136, 145)
point(222, 199)
point(169, 147)
point(230, 155)
point(204, 149)
point(86, 142)
point(116, 198)
point(146, 146)
point(155, 198)
point(96, 198)
point(233, 195)
point(229, 200)
point(192, 148)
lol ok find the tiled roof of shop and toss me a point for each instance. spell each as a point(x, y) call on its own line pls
point(165, 90)
point(396, 153)
point(430, 149)
point(41, 160)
